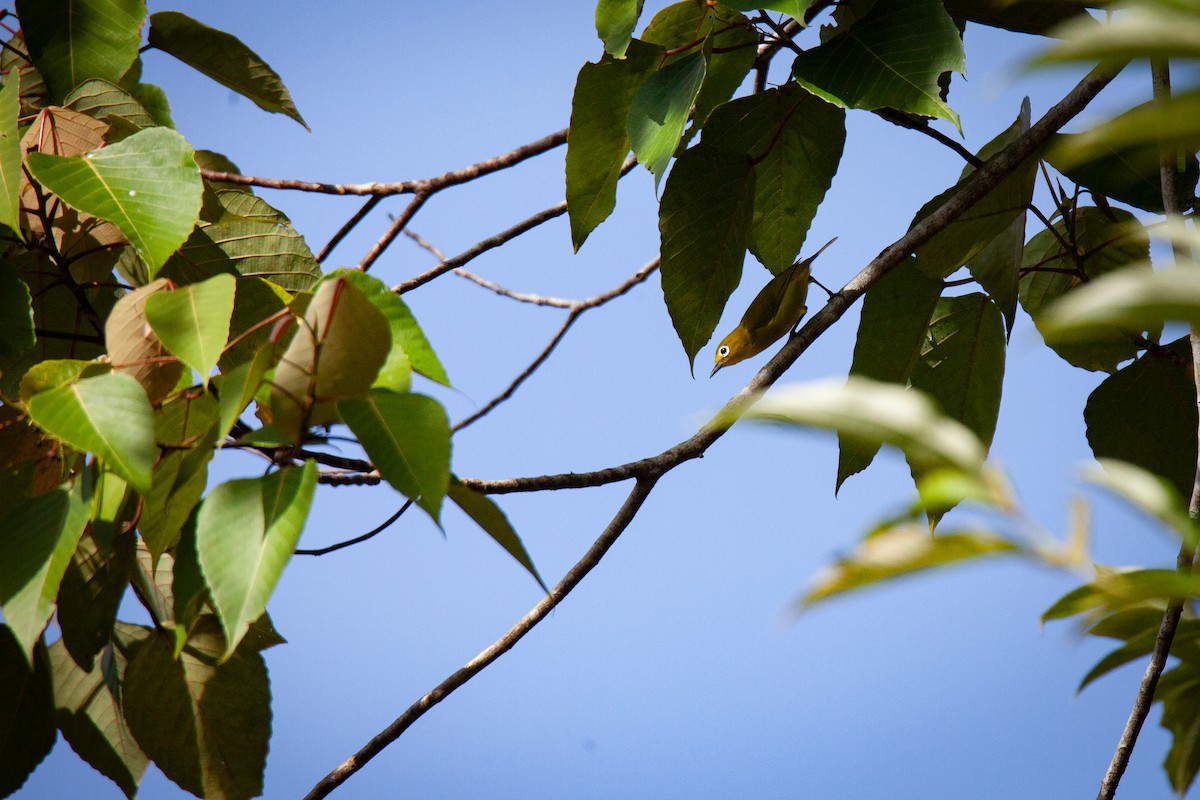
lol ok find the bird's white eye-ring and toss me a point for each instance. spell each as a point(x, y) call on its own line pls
point(723, 351)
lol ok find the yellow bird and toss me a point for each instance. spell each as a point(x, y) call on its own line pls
point(779, 306)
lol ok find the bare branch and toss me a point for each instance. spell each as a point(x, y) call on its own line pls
point(393, 231)
point(647, 471)
point(320, 551)
point(343, 231)
point(426, 186)
point(520, 297)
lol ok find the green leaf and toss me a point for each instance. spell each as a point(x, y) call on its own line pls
point(962, 362)
point(40, 535)
point(187, 426)
point(335, 354)
point(257, 304)
point(223, 58)
point(250, 248)
point(870, 412)
point(238, 387)
point(1145, 414)
point(154, 100)
point(147, 185)
point(10, 151)
point(891, 333)
point(103, 100)
point(17, 339)
point(1128, 175)
point(795, 141)
point(899, 551)
point(205, 724)
point(615, 21)
point(596, 141)
point(1022, 16)
point(997, 267)
point(47, 375)
point(1181, 716)
point(1115, 590)
point(1132, 299)
point(891, 58)
point(27, 731)
point(1140, 30)
point(659, 111)
point(487, 515)
point(246, 531)
point(729, 51)
point(108, 415)
point(193, 321)
point(98, 572)
point(966, 237)
point(1096, 245)
point(73, 40)
point(89, 716)
point(407, 437)
point(1145, 491)
point(704, 220)
point(133, 347)
point(793, 8)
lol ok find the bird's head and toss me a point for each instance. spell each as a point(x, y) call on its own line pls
point(732, 349)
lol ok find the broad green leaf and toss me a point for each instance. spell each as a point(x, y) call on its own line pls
point(33, 87)
point(704, 221)
point(154, 583)
point(795, 141)
point(410, 349)
point(487, 515)
point(57, 372)
point(1172, 124)
point(204, 723)
point(1144, 490)
point(1097, 244)
point(217, 162)
point(39, 537)
point(154, 100)
point(1115, 590)
point(891, 58)
point(1139, 30)
point(1181, 716)
point(147, 185)
point(962, 362)
point(1022, 16)
point(407, 437)
point(135, 349)
point(335, 354)
point(966, 237)
point(89, 715)
point(899, 551)
point(27, 731)
point(246, 531)
point(98, 572)
point(1129, 300)
point(189, 589)
point(250, 248)
point(660, 109)
point(997, 267)
point(238, 386)
point(73, 40)
point(257, 306)
point(596, 141)
point(108, 415)
point(10, 151)
point(615, 21)
point(867, 411)
point(103, 100)
point(193, 321)
point(187, 426)
point(223, 58)
point(891, 333)
point(17, 339)
point(1128, 175)
point(793, 8)
point(1132, 650)
point(1145, 414)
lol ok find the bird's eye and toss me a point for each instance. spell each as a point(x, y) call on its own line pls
point(723, 351)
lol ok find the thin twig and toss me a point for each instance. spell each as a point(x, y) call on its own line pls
point(426, 186)
point(1173, 208)
point(520, 297)
point(320, 551)
point(393, 231)
point(904, 121)
point(649, 470)
point(501, 646)
point(344, 231)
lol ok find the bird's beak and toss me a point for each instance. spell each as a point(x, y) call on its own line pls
point(717, 367)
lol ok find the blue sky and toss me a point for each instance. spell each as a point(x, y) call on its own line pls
point(673, 670)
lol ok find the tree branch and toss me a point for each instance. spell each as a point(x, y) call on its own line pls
point(1173, 208)
point(648, 471)
point(320, 551)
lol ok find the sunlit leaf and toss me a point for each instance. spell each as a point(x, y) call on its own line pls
point(660, 109)
point(407, 437)
point(487, 515)
point(147, 185)
point(1113, 590)
point(100, 41)
point(135, 349)
point(27, 731)
point(704, 221)
point(223, 58)
point(250, 248)
point(891, 58)
point(103, 99)
point(246, 531)
point(108, 415)
point(193, 321)
point(615, 21)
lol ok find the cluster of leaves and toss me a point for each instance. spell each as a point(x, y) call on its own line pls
point(144, 309)
point(755, 179)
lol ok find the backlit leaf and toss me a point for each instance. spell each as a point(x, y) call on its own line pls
point(660, 109)
point(135, 349)
point(487, 515)
point(615, 21)
point(193, 321)
point(103, 99)
point(10, 152)
point(247, 247)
